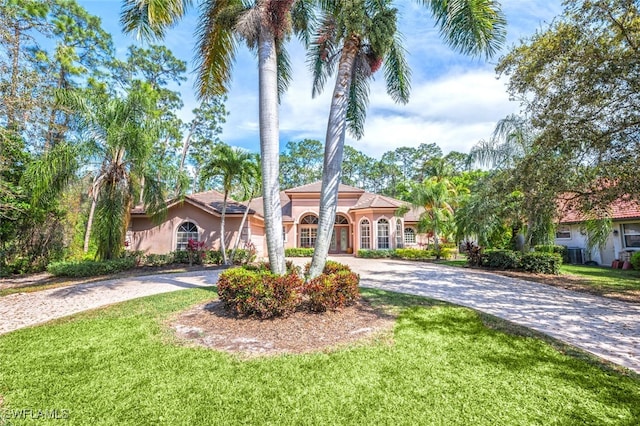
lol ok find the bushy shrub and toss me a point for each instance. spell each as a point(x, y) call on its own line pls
point(241, 256)
point(158, 259)
point(447, 252)
point(259, 293)
point(635, 260)
point(501, 259)
point(375, 254)
point(330, 267)
point(90, 268)
point(212, 257)
point(298, 252)
point(414, 254)
point(266, 266)
point(554, 248)
point(180, 256)
point(541, 263)
point(332, 291)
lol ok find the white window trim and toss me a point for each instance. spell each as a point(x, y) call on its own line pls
point(569, 230)
point(360, 233)
point(175, 232)
point(377, 241)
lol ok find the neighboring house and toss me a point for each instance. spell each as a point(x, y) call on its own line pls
point(623, 240)
point(363, 221)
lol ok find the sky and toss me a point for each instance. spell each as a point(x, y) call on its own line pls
point(455, 102)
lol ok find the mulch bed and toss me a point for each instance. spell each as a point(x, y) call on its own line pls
point(212, 326)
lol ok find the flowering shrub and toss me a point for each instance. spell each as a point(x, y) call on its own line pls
point(259, 293)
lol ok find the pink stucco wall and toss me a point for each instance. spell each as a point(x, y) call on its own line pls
point(144, 235)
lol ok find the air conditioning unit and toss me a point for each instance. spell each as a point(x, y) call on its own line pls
point(576, 255)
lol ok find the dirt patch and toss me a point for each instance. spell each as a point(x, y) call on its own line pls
point(212, 326)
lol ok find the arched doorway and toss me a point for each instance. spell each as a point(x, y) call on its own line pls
point(340, 238)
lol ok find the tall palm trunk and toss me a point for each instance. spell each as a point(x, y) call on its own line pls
point(223, 244)
point(183, 156)
point(87, 234)
point(269, 148)
point(333, 152)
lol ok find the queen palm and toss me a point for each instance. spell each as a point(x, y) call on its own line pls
point(119, 133)
point(263, 24)
point(231, 166)
point(360, 36)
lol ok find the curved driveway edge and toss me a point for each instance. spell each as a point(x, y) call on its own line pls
point(605, 327)
point(25, 309)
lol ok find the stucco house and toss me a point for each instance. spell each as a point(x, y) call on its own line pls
point(363, 221)
point(622, 242)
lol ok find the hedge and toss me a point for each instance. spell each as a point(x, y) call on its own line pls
point(501, 259)
point(375, 254)
point(541, 263)
point(298, 252)
point(536, 262)
point(90, 268)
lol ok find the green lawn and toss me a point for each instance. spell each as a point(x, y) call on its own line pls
point(120, 366)
point(605, 278)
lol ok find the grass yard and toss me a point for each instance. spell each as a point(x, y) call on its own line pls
point(605, 278)
point(120, 366)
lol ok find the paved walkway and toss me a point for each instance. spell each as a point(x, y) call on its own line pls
point(605, 327)
point(25, 309)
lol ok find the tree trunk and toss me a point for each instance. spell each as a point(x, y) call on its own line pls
point(87, 234)
point(242, 222)
point(13, 90)
point(185, 150)
point(269, 148)
point(333, 152)
point(223, 244)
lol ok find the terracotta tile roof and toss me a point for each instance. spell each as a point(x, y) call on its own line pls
point(620, 209)
point(257, 206)
point(317, 186)
point(210, 200)
point(369, 200)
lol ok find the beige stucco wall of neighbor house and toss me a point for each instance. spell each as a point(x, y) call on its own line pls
point(144, 235)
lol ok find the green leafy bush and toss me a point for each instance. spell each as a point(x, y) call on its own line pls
point(90, 268)
point(414, 254)
point(266, 266)
point(333, 291)
point(448, 252)
point(501, 259)
point(553, 248)
point(473, 253)
point(298, 252)
point(259, 293)
point(635, 260)
point(375, 254)
point(541, 263)
point(158, 259)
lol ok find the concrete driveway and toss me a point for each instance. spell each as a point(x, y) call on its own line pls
point(607, 328)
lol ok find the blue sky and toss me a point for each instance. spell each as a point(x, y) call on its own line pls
point(455, 100)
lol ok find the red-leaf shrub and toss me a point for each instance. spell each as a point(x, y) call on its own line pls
point(259, 293)
point(330, 267)
point(333, 291)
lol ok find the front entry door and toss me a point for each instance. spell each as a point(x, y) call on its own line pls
point(341, 243)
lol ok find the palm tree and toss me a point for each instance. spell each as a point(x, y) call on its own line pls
point(252, 189)
point(358, 36)
point(119, 133)
point(512, 139)
point(262, 24)
point(231, 165)
point(437, 198)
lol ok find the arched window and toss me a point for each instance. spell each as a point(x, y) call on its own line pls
point(186, 231)
point(399, 237)
point(308, 230)
point(341, 220)
point(309, 220)
point(365, 234)
point(409, 236)
point(383, 234)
